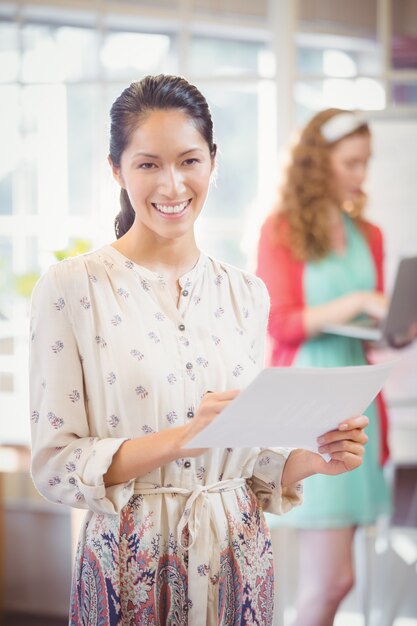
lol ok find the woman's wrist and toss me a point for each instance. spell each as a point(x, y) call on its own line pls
point(338, 311)
point(300, 464)
point(356, 301)
point(139, 456)
point(180, 436)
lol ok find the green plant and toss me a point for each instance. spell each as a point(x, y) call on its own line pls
point(76, 247)
point(23, 284)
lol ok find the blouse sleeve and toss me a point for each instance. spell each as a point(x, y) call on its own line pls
point(282, 275)
point(68, 464)
point(266, 482)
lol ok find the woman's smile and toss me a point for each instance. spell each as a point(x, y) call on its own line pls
point(172, 210)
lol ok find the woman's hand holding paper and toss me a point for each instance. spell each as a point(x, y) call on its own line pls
point(345, 446)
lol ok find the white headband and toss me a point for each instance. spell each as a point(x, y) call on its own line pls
point(341, 125)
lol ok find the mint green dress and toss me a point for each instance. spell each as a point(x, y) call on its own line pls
point(360, 496)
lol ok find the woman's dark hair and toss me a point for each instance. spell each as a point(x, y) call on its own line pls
point(134, 104)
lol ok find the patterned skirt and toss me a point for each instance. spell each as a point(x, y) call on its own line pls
point(132, 570)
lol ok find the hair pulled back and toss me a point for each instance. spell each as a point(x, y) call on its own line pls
point(162, 92)
point(307, 192)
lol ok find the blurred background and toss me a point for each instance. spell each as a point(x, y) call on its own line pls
point(265, 67)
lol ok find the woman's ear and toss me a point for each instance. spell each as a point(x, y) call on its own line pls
point(213, 170)
point(213, 159)
point(116, 172)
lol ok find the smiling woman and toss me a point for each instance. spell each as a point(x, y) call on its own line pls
point(165, 172)
point(126, 343)
point(156, 145)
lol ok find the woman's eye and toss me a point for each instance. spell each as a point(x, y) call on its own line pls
point(190, 161)
point(146, 166)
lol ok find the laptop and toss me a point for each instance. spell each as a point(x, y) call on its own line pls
point(399, 326)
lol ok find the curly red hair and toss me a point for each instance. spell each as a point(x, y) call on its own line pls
point(307, 195)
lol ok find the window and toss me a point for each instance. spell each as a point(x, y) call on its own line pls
point(348, 55)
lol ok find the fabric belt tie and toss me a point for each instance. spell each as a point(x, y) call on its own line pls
point(196, 517)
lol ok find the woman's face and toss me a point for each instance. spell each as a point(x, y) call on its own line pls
point(166, 171)
point(348, 163)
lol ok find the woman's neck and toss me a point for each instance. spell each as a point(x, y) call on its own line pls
point(335, 216)
point(171, 258)
point(337, 230)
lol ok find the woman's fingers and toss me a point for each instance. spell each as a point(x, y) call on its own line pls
point(339, 447)
point(352, 429)
point(346, 445)
point(357, 435)
point(211, 405)
point(214, 402)
point(360, 421)
point(349, 460)
point(221, 396)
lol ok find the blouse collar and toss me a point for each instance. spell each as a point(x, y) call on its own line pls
point(185, 281)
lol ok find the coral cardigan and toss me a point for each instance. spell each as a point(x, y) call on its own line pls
point(283, 276)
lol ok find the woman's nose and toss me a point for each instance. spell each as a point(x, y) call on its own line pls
point(362, 173)
point(172, 182)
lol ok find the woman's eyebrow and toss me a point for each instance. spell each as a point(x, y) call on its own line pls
point(155, 156)
point(145, 154)
point(190, 150)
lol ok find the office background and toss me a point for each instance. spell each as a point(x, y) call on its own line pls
point(265, 66)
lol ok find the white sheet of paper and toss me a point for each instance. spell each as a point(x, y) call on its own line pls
point(291, 407)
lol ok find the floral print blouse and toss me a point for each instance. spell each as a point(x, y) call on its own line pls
point(113, 357)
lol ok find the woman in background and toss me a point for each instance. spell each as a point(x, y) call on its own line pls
point(322, 264)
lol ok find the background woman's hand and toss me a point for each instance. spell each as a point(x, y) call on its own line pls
point(210, 406)
point(374, 303)
point(346, 446)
